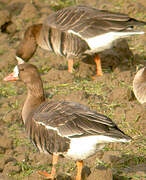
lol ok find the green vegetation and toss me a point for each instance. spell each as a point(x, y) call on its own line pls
point(59, 4)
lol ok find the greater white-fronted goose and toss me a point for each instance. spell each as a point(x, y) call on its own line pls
point(63, 128)
point(77, 30)
point(139, 85)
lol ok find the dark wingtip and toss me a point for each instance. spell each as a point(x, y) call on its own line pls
point(137, 23)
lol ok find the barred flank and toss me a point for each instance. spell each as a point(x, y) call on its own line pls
point(44, 140)
point(66, 44)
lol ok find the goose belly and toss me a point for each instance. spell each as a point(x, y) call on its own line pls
point(82, 148)
point(105, 41)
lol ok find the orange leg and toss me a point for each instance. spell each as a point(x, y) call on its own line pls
point(98, 66)
point(70, 65)
point(79, 169)
point(53, 171)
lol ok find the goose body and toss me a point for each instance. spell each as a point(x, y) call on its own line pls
point(63, 128)
point(76, 131)
point(77, 30)
point(139, 85)
point(96, 28)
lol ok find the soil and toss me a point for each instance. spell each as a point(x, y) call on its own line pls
point(110, 94)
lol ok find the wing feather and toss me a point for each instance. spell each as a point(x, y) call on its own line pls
point(72, 119)
point(88, 22)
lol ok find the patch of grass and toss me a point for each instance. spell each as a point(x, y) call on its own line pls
point(26, 169)
point(15, 131)
point(21, 142)
point(125, 162)
point(32, 20)
point(2, 51)
point(43, 1)
point(94, 93)
point(14, 105)
point(1, 156)
point(6, 70)
point(111, 108)
point(101, 164)
point(84, 85)
point(59, 4)
point(7, 90)
point(125, 85)
point(2, 5)
point(44, 70)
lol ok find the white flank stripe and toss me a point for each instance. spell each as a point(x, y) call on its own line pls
point(73, 32)
point(49, 127)
point(106, 40)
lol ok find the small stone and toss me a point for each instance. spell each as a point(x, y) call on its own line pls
point(4, 17)
point(101, 174)
point(46, 10)
point(11, 168)
point(2, 150)
point(4, 177)
point(2, 163)
point(110, 156)
point(130, 95)
point(10, 159)
point(34, 176)
point(6, 142)
point(11, 28)
point(28, 12)
point(119, 54)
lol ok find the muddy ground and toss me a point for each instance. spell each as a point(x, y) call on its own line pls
point(110, 94)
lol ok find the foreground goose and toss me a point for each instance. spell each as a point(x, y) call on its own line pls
point(75, 31)
point(62, 128)
point(139, 85)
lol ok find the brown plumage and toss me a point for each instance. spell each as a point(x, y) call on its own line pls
point(139, 85)
point(77, 30)
point(63, 127)
point(28, 45)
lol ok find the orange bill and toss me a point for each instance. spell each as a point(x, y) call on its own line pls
point(11, 77)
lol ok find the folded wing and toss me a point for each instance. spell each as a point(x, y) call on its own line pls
point(88, 22)
point(75, 120)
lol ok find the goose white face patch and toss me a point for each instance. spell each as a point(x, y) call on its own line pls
point(16, 71)
point(19, 60)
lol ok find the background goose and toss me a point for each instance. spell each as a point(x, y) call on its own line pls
point(139, 85)
point(62, 128)
point(75, 31)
